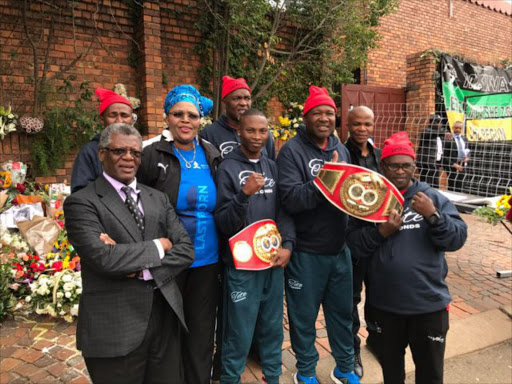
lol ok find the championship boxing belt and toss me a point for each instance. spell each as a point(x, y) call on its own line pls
point(359, 192)
point(254, 246)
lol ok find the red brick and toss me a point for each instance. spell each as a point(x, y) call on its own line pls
point(81, 380)
point(26, 370)
point(57, 369)
point(31, 355)
point(6, 377)
point(64, 354)
point(39, 376)
point(41, 344)
point(9, 363)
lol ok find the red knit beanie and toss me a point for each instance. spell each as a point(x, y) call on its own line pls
point(108, 97)
point(318, 96)
point(398, 144)
point(229, 85)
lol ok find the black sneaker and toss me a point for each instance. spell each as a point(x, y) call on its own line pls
point(358, 365)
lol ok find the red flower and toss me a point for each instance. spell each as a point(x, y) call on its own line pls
point(21, 188)
point(36, 258)
point(60, 223)
point(37, 186)
point(14, 202)
point(57, 265)
point(41, 267)
point(33, 265)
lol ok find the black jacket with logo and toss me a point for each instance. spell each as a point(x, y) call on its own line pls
point(407, 270)
point(320, 226)
point(235, 210)
point(161, 169)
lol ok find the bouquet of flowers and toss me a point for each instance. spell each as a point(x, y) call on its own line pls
point(12, 241)
point(62, 256)
point(7, 121)
point(287, 125)
point(494, 214)
point(26, 267)
point(57, 295)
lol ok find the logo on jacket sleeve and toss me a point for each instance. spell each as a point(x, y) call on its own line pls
point(315, 165)
point(227, 147)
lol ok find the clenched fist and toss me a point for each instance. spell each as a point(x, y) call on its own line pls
point(253, 184)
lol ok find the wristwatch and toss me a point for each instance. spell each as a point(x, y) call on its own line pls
point(434, 218)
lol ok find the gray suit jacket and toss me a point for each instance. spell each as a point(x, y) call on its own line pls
point(114, 309)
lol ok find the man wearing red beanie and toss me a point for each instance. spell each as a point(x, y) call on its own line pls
point(224, 132)
point(320, 269)
point(407, 295)
point(113, 108)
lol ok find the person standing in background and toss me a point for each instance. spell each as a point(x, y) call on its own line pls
point(360, 125)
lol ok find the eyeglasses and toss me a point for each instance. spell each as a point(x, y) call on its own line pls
point(180, 115)
point(123, 151)
point(407, 167)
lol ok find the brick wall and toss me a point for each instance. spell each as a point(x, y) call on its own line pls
point(110, 28)
point(474, 32)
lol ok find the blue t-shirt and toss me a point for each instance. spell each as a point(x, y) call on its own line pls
point(196, 203)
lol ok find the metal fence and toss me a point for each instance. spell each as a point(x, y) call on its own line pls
point(487, 172)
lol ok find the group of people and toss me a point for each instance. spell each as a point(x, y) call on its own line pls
point(440, 149)
point(163, 300)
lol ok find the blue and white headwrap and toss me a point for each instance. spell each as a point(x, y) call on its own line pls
point(186, 92)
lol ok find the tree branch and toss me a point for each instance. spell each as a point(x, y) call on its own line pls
point(34, 52)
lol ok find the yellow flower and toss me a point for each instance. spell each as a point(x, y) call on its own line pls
point(276, 134)
point(284, 121)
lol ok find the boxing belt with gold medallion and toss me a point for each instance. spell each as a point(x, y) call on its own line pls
point(359, 192)
point(254, 246)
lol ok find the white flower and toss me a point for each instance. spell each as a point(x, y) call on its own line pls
point(66, 278)
point(43, 290)
point(27, 299)
point(62, 313)
point(295, 125)
point(10, 116)
point(79, 291)
point(67, 294)
point(59, 305)
point(60, 294)
point(68, 286)
point(74, 310)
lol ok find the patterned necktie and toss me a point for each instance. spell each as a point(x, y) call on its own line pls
point(133, 208)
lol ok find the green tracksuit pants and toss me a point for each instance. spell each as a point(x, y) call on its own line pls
point(311, 280)
point(253, 304)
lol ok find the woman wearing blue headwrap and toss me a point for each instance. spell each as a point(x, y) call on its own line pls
point(183, 166)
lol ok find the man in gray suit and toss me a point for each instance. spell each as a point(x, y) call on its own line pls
point(132, 246)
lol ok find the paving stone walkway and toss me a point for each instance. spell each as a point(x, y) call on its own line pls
point(42, 350)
